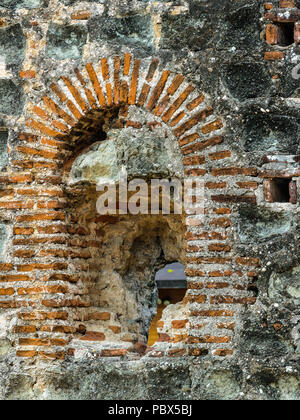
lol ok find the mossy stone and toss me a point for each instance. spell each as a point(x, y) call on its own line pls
point(12, 44)
point(271, 133)
point(12, 98)
point(132, 30)
point(65, 42)
point(21, 4)
point(246, 81)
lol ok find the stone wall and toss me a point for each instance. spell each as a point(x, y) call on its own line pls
point(187, 89)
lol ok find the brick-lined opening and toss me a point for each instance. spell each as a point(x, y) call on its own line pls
point(52, 249)
point(283, 27)
point(280, 190)
point(281, 34)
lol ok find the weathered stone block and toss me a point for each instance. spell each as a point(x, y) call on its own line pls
point(241, 27)
point(288, 387)
point(261, 342)
point(12, 44)
point(144, 155)
point(146, 158)
point(131, 30)
point(285, 285)
point(273, 384)
point(12, 97)
point(271, 133)
point(185, 31)
point(217, 384)
point(5, 347)
point(246, 81)
point(20, 4)
point(289, 79)
point(65, 42)
point(257, 225)
point(99, 164)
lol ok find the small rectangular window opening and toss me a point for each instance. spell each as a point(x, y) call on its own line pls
point(285, 33)
point(280, 190)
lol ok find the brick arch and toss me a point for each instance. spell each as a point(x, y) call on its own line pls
point(170, 98)
point(54, 126)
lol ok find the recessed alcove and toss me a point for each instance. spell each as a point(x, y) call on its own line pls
point(285, 33)
point(280, 190)
point(120, 282)
point(122, 252)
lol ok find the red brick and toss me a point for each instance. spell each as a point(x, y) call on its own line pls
point(248, 261)
point(158, 90)
point(213, 313)
point(215, 285)
point(198, 146)
point(177, 324)
point(274, 55)
point(23, 231)
point(134, 82)
point(176, 352)
point(272, 34)
point(221, 222)
point(176, 105)
point(223, 352)
point(82, 15)
point(24, 329)
point(196, 352)
point(34, 342)
point(6, 267)
point(48, 355)
point(217, 300)
point(234, 171)
point(197, 298)
point(115, 329)
point(287, 3)
point(213, 126)
point(7, 292)
point(98, 316)
point(93, 336)
point(219, 248)
point(16, 205)
point(27, 74)
point(220, 155)
point(297, 33)
point(26, 353)
point(114, 353)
